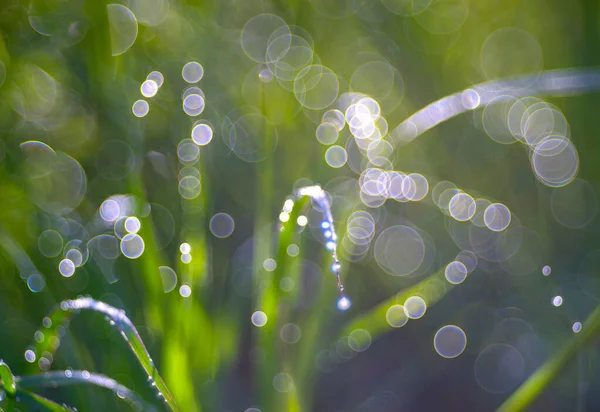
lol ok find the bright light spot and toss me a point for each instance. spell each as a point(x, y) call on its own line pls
point(193, 104)
point(269, 265)
point(75, 256)
point(497, 217)
point(284, 217)
point(396, 316)
point(415, 307)
point(192, 72)
point(344, 303)
point(186, 258)
point(185, 291)
point(132, 246)
point(557, 301)
point(456, 272)
point(157, 77)
point(259, 319)
point(185, 248)
point(302, 220)
point(132, 224)
point(450, 341)
point(149, 88)
point(265, 76)
point(66, 267)
point(546, 270)
point(288, 205)
point(110, 210)
point(202, 134)
point(577, 327)
point(30, 356)
point(140, 108)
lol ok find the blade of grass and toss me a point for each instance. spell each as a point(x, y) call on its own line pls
point(63, 378)
point(39, 401)
point(431, 289)
point(551, 83)
point(129, 333)
point(539, 380)
point(8, 383)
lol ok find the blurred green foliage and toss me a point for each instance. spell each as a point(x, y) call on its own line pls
point(70, 72)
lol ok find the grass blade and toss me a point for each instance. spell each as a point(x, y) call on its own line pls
point(64, 378)
point(8, 383)
point(61, 316)
point(40, 403)
point(537, 382)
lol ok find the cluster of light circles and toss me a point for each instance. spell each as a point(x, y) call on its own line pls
point(360, 232)
point(186, 253)
point(541, 127)
point(117, 211)
point(378, 185)
point(558, 300)
point(148, 89)
point(188, 150)
point(286, 53)
point(485, 230)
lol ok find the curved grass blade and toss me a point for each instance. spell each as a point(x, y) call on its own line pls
point(537, 382)
point(64, 378)
point(60, 318)
point(561, 82)
point(8, 384)
point(317, 194)
point(40, 403)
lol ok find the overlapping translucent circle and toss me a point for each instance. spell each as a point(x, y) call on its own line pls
point(406, 7)
point(450, 341)
point(193, 104)
point(336, 156)
point(189, 187)
point(316, 87)
point(499, 368)
point(50, 243)
point(456, 272)
point(495, 119)
point(327, 133)
point(188, 152)
point(221, 225)
point(443, 16)
point(132, 246)
point(396, 316)
point(251, 137)
point(462, 207)
point(265, 38)
point(123, 28)
point(574, 205)
point(399, 250)
point(192, 72)
point(497, 217)
point(555, 161)
point(415, 307)
point(149, 88)
point(202, 134)
point(510, 52)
